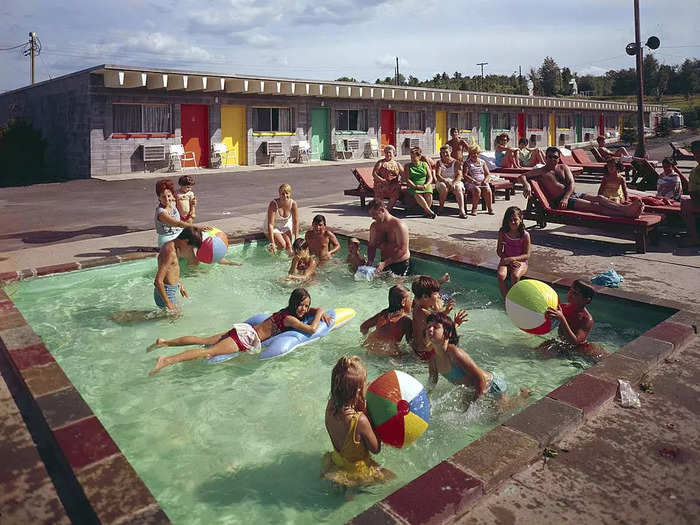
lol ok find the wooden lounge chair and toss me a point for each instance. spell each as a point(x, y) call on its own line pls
point(597, 154)
point(582, 159)
point(680, 153)
point(505, 186)
point(540, 210)
point(673, 209)
point(649, 176)
point(365, 186)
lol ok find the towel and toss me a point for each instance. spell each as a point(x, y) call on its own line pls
point(610, 278)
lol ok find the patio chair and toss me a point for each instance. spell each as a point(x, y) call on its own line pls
point(274, 150)
point(301, 152)
point(680, 153)
point(372, 148)
point(178, 156)
point(221, 156)
point(340, 150)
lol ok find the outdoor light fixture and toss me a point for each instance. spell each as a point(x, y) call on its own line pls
point(652, 43)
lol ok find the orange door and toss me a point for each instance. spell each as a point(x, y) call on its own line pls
point(194, 119)
point(388, 125)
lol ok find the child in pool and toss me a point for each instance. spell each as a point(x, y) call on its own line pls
point(244, 337)
point(575, 323)
point(426, 300)
point(513, 248)
point(185, 199)
point(352, 435)
point(457, 366)
point(322, 242)
point(613, 185)
point(303, 263)
point(391, 325)
point(355, 258)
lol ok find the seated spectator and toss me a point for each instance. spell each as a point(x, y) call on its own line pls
point(387, 175)
point(528, 157)
point(608, 153)
point(558, 185)
point(418, 176)
point(449, 179)
point(476, 176)
point(690, 205)
point(505, 157)
point(613, 185)
point(669, 185)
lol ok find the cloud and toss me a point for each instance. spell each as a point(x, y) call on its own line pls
point(592, 70)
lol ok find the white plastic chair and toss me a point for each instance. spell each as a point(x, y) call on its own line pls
point(221, 155)
point(178, 153)
point(303, 151)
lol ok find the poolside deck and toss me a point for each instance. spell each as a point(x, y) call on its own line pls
point(49, 226)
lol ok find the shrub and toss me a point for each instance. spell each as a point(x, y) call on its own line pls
point(22, 152)
point(663, 129)
point(691, 117)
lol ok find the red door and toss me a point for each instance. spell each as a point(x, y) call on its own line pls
point(601, 125)
point(521, 125)
point(195, 131)
point(388, 127)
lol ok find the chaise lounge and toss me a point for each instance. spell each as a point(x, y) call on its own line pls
point(540, 210)
point(582, 159)
point(680, 153)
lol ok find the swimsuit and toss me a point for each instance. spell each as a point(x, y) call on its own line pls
point(499, 158)
point(245, 336)
point(184, 201)
point(612, 189)
point(281, 224)
point(391, 188)
point(425, 355)
point(167, 232)
point(476, 172)
point(401, 269)
point(171, 291)
point(524, 157)
point(575, 196)
point(418, 174)
point(352, 465)
point(278, 321)
point(496, 386)
point(514, 247)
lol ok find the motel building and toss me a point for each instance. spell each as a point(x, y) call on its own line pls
point(113, 119)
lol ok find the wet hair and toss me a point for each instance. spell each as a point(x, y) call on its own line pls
point(586, 291)
point(296, 298)
point(502, 137)
point(424, 286)
point(285, 187)
point(523, 141)
point(452, 130)
point(397, 294)
point(552, 149)
point(447, 325)
point(192, 236)
point(347, 382)
point(186, 180)
point(376, 204)
point(617, 163)
point(164, 184)
point(319, 219)
point(299, 244)
point(505, 225)
point(669, 161)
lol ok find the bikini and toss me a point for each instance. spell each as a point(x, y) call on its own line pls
point(281, 223)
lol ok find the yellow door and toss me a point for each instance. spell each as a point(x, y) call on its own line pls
point(552, 130)
point(440, 129)
point(234, 133)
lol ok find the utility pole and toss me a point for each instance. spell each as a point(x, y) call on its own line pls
point(641, 146)
point(397, 71)
point(32, 51)
point(482, 64)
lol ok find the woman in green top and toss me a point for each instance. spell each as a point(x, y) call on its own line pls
point(419, 178)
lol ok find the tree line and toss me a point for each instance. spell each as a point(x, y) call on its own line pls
point(552, 80)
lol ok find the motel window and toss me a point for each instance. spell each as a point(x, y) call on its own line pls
point(411, 120)
point(141, 118)
point(500, 121)
point(563, 121)
point(461, 121)
point(589, 120)
point(272, 120)
point(535, 121)
point(351, 120)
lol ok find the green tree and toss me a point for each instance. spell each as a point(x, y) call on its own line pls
point(549, 75)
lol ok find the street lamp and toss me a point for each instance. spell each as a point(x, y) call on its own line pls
point(636, 48)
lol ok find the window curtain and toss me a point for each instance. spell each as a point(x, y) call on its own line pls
point(285, 120)
point(126, 118)
point(156, 119)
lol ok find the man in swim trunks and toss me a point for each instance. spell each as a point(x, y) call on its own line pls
point(458, 145)
point(608, 153)
point(558, 185)
point(167, 282)
point(322, 242)
point(390, 235)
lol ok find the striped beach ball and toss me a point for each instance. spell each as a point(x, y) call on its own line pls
point(526, 303)
point(214, 246)
point(398, 408)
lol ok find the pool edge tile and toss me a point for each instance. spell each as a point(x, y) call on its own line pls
point(586, 392)
point(377, 514)
point(8, 277)
point(57, 268)
point(63, 407)
point(675, 333)
point(84, 443)
point(619, 366)
point(547, 421)
point(45, 379)
point(30, 356)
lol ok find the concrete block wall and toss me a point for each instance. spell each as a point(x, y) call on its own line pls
point(60, 110)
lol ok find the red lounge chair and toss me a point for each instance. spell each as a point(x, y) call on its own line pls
point(597, 155)
point(582, 159)
point(673, 209)
point(365, 186)
point(539, 210)
point(506, 186)
point(680, 153)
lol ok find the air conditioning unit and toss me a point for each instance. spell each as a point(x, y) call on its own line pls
point(153, 153)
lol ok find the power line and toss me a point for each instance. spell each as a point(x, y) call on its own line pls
point(13, 47)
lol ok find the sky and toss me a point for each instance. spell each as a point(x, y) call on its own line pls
point(325, 40)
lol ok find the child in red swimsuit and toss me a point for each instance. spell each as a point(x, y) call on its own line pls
point(391, 325)
point(513, 248)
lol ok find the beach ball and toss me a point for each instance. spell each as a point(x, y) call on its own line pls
point(526, 303)
point(398, 408)
point(212, 249)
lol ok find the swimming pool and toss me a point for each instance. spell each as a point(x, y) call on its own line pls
point(242, 442)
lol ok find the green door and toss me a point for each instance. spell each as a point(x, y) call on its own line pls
point(579, 128)
point(485, 130)
point(320, 134)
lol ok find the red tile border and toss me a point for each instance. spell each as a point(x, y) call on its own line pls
point(585, 392)
point(33, 355)
point(8, 277)
point(676, 333)
point(42, 380)
point(57, 268)
point(85, 442)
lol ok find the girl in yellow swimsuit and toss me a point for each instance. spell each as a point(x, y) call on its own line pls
point(352, 436)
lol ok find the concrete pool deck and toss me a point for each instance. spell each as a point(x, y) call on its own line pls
point(472, 241)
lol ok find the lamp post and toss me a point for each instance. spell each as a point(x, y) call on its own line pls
point(636, 48)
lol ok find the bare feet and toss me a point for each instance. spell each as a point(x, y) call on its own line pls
point(473, 212)
point(444, 279)
point(160, 363)
point(160, 342)
point(635, 209)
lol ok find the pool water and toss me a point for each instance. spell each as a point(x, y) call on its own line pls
point(241, 442)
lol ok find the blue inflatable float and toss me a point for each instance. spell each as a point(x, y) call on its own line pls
point(285, 342)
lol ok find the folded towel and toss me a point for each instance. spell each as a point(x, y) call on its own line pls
point(365, 273)
point(609, 278)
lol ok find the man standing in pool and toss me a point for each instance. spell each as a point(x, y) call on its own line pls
point(390, 235)
point(167, 282)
